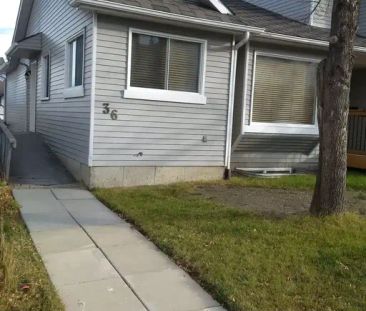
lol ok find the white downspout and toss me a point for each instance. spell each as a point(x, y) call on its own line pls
point(234, 57)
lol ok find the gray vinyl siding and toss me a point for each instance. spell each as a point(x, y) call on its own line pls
point(322, 16)
point(273, 151)
point(65, 123)
point(33, 42)
point(16, 100)
point(167, 133)
point(295, 9)
point(362, 26)
point(260, 150)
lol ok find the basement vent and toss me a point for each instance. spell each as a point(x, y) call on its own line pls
point(265, 172)
point(217, 5)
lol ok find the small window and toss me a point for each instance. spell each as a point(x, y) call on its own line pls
point(165, 63)
point(46, 74)
point(284, 91)
point(76, 62)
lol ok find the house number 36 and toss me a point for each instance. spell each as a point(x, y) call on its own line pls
point(107, 110)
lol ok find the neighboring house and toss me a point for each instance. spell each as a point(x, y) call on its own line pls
point(2, 98)
point(131, 92)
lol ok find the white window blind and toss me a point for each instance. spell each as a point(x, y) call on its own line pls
point(184, 66)
point(284, 91)
point(165, 64)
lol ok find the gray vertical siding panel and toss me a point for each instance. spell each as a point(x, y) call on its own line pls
point(294, 9)
point(362, 26)
point(305, 11)
point(65, 123)
point(168, 133)
point(322, 16)
point(16, 100)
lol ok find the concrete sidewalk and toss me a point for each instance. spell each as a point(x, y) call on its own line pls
point(99, 262)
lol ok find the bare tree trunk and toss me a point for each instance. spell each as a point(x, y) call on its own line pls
point(334, 76)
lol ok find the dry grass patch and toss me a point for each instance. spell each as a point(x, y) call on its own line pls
point(24, 282)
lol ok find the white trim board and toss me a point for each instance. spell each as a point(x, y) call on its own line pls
point(93, 85)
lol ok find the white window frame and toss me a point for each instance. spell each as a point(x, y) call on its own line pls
point(167, 95)
point(70, 90)
point(46, 84)
point(281, 128)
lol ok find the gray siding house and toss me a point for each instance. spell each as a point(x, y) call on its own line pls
point(130, 92)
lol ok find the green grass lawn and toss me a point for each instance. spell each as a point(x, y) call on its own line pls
point(356, 180)
point(24, 283)
point(251, 262)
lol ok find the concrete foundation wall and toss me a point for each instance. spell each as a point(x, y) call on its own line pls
point(129, 176)
point(107, 177)
point(80, 171)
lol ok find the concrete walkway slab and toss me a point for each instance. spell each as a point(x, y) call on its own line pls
point(72, 194)
point(105, 295)
point(91, 212)
point(170, 290)
point(99, 262)
point(58, 241)
point(114, 235)
point(78, 267)
point(48, 221)
point(138, 257)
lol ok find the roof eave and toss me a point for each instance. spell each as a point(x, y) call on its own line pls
point(134, 11)
point(24, 12)
point(302, 41)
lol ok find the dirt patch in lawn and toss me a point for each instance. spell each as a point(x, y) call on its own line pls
point(273, 202)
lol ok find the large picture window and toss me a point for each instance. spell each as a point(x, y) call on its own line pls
point(284, 91)
point(167, 67)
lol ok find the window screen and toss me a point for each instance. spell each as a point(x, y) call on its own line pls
point(163, 63)
point(284, 91)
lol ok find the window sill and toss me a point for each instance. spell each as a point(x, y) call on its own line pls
point(290, 129)
point(166, 96)
point(44, 99)
point(72, 92)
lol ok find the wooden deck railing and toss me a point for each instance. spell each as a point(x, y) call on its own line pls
point(7, 144)
point(357, 139)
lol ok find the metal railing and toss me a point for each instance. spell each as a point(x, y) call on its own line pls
point(357, 132)
point(7, 144)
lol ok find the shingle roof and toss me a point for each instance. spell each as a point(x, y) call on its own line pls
point(244, 13)
point(276, 23)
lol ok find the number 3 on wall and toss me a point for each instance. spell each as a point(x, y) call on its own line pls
point(107, 110)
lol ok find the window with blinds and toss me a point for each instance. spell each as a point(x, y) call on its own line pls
point(165, 63)
point(284, 91)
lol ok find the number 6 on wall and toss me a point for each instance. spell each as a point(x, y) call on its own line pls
point(114, 115)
